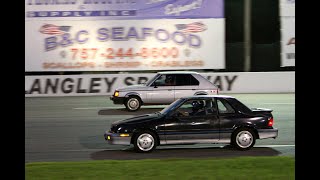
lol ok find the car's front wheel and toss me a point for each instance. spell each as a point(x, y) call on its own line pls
point(243, 139)
point(144, 142)
point(133, 103)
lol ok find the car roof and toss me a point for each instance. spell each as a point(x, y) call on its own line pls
point(210, 96)
point(178, 72)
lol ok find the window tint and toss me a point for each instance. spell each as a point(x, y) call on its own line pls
point(186, 80)
point(238, 105)
point(224, 107)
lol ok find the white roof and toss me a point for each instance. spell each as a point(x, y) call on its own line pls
point(178, 72)
point(215, 95)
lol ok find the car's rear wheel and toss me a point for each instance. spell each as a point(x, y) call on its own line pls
point(243, 139)
point(133, 103)
point(145, 142)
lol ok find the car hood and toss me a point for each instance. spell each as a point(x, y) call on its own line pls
point(138, 119)
point(132, 87)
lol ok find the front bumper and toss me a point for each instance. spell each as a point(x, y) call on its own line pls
point(268, 133)
point(115, 138)
point(117, 100)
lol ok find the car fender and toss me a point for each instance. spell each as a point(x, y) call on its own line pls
point(136, 130)
point(132, 94)
point(246, 125)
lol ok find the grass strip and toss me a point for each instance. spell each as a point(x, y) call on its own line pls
point(275, 167)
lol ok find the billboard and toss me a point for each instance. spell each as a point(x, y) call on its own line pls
point(130, 35)
point(124, 45)
point(287, 17)
point(122, 9)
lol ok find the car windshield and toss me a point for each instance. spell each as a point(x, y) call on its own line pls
point(172, 106)
point(148, 83)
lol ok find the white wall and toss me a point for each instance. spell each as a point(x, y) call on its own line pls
point(105, 84)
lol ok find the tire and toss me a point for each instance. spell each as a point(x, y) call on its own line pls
point(243, 139)
point(133, 103)
point(145, 141)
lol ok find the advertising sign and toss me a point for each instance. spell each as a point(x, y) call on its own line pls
point(287, 13)
point(122, 9)
point(126, 45)
point(124, 35)
point(106, 84)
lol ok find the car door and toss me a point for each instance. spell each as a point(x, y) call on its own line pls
point(190, 125)
point(161, 91)
point(186, 85)
point(228, 117)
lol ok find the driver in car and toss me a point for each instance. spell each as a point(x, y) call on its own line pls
point(197, 108)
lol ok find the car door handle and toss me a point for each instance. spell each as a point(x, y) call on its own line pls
point(193, 123)
point(169, 89)
point(193, 89)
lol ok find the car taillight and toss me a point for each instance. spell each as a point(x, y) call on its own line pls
point(270, 122)
point(217, 91)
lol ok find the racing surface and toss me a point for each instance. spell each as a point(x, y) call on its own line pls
point(72, 128)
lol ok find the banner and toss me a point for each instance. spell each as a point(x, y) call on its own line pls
point(126, 45)
point(124, 35)
point(287, 17)
point(122, 9)
point(105, 84)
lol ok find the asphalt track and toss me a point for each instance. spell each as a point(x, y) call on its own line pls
point(72, 128)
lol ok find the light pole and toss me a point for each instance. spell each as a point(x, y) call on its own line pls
point(247, 35)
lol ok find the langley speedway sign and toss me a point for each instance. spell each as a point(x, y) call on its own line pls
point(105, 84)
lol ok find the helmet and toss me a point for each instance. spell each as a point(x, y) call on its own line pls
point(196, 105)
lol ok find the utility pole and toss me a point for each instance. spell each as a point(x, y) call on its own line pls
point(247, 35)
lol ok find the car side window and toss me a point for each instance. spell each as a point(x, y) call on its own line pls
point(210, 107)
point(196, 108)
point(224, 107)
point(164, 80)
point(186, 80)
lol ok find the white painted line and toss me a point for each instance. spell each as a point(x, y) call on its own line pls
point(96, 108)
point(174, 147)
point(280, 103)
point(276, 145)
point(119, 107)
point(91, 150)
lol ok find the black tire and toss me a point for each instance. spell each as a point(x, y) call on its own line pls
point(243, 139)
point(133, 103)
point(144, 141)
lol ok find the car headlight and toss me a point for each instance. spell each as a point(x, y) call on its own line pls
point(116, 94)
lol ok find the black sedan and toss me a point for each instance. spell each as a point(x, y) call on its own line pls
point(193, 120)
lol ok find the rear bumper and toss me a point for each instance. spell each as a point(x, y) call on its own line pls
point(115, 138)
point(268, 133)
point(117, 100)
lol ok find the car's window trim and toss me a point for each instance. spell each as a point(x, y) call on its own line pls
point(230, 104)
point(154, 79)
